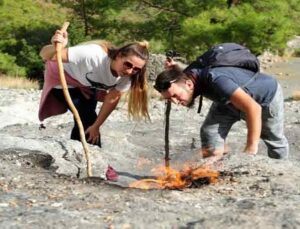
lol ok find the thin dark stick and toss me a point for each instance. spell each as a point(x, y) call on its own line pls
point(167, 125)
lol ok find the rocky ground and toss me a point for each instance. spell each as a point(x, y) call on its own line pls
point(43, 181)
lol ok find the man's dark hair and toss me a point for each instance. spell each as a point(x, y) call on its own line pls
point(166, 78)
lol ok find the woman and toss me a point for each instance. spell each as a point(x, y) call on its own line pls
point(95, 72)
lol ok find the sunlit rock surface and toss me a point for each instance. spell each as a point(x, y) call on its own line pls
point(43, 180)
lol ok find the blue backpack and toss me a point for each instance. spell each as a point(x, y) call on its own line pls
point(225, 55)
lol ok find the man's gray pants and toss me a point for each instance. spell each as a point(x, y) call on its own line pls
point(220, 119)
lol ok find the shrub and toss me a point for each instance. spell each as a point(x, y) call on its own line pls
point(9, 67)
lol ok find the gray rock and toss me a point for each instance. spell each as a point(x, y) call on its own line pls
point(43, 181)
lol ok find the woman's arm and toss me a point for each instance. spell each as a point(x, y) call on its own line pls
point(48, 51)
point(242, 101)
point(110, 102)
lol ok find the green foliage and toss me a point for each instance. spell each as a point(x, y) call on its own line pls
point(296, 52)
point(25, 26)
point(189, 26)
point(245, 24)
point(8, 66)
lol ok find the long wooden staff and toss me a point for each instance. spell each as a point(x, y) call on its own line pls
point(58, 48)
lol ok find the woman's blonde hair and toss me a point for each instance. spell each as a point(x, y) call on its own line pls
point(138, 96)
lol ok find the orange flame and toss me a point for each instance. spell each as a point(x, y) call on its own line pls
point(173, 179)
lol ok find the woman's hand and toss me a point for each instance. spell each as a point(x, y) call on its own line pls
point(109, 104)
point(93, 134)
point(48, 52)
point(60, 37)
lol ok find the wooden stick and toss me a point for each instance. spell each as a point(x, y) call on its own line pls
point(58, 48)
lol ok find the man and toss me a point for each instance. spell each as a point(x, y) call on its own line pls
point(236, 94)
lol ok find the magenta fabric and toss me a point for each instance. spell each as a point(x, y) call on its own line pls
point(111, 174)
point(49, 105)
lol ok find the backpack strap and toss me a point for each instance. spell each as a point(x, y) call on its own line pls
point(250, 81)
point(200, 104)
point(203, 76)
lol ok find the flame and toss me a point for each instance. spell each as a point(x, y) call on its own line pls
point(174, 179)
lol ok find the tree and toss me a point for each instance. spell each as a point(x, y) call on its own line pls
point(25, 26)
point(189, 26)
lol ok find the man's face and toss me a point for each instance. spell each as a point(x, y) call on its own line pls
point(180, 93)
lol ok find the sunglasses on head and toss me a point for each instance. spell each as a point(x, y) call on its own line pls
point(164, 86)
point(129, 65)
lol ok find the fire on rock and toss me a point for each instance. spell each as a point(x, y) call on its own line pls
point(174, 179)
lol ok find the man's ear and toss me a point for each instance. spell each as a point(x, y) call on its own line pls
point(189, 84)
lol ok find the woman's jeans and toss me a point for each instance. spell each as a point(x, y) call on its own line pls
point(220, 119)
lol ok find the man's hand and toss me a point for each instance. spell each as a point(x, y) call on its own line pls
point(251, 149)
point(170, 54)
point(169, 63)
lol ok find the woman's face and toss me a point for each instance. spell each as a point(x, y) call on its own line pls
point(127, 65)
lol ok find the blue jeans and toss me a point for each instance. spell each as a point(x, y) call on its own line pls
point(220, 119)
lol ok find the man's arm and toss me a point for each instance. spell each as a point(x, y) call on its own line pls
point(242, 101)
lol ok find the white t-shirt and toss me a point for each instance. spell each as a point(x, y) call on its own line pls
point(90, 65)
